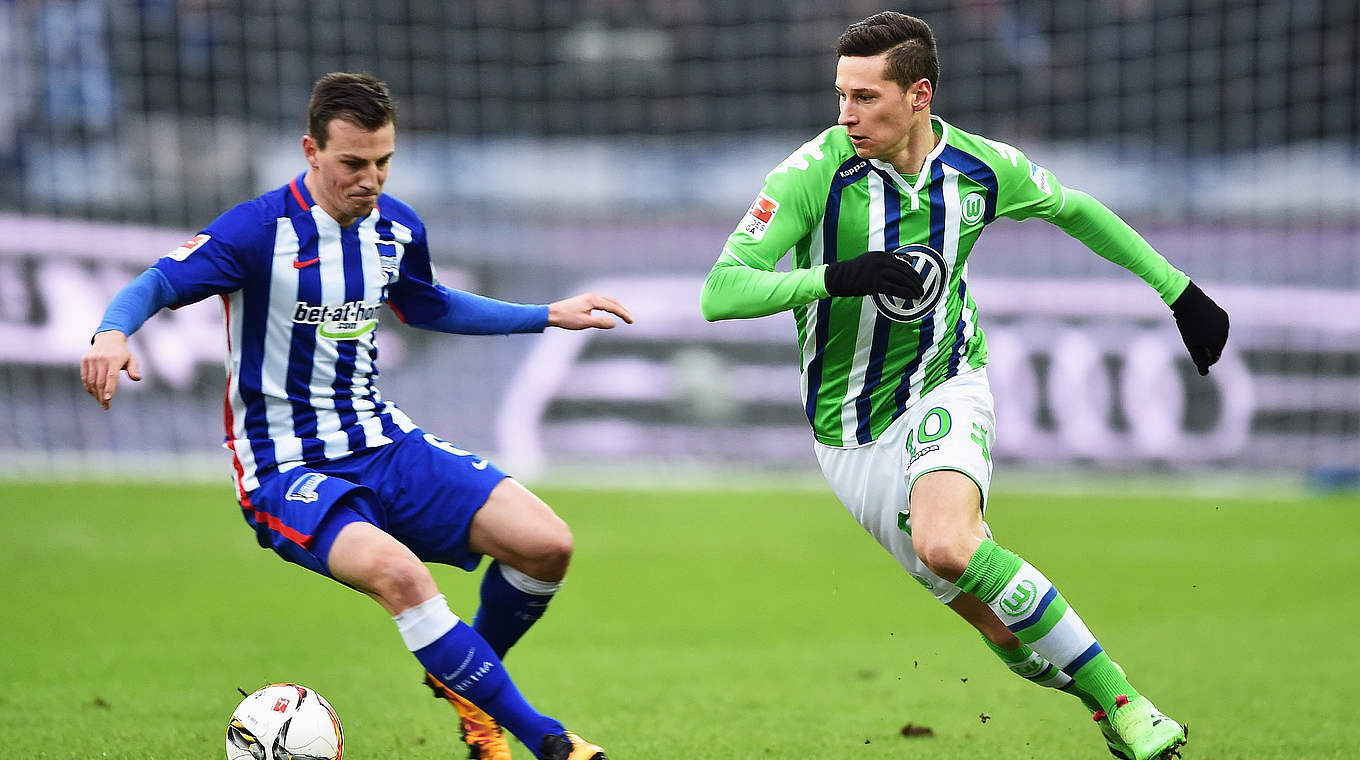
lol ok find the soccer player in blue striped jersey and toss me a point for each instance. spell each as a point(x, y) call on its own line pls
point(881, 213)
point(331, 475)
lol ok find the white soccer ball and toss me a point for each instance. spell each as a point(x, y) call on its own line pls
point(284, 721)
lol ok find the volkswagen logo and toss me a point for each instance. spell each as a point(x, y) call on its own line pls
point(934, 272)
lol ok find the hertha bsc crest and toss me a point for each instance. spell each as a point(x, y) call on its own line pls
point(935, 274)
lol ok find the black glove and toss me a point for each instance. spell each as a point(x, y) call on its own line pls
point(1203, 325)
point(875, 272)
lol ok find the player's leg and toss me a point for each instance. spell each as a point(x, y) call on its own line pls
point(949, 537)
point(871, 481)
point(454, 507)
point(1029, 664)
point(1017, 655)
point(531, 548)
point(448, 505)
point(459, 659)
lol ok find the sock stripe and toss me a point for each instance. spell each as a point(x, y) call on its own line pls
point(1038, 613)
point(1057, 679)
point(1044, 674)
point(1056, 611)
point(1072, 667)
point(425, 623)
point(527, 583)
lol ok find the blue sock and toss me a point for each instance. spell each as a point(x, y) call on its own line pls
point(511, 602)
point(462, 660)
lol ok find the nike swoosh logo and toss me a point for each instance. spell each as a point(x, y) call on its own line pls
point(298, 264)
point(480, 464)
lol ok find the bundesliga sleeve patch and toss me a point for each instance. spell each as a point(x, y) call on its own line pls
point(193, 244)
point(1039, 177)
point(759, 216)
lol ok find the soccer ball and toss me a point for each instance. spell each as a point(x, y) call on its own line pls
point(284, 721)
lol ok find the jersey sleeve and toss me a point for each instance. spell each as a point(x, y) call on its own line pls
point(1024, 188)
point(217, 259)
point(1029, 190)
point(1101, 230)
point(415, 296)
point(471, 314)
point(743, 282)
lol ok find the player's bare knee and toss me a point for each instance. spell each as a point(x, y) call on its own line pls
point(552, 557)
point(944, 556)
point(400, 581)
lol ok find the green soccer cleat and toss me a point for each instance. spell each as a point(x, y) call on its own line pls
point(1146, 733)
point(1117, 746)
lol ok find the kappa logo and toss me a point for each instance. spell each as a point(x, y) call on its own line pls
point(935, 274)
point(853, 170)
point(304, 488)
point(759, 216)
point(1021, 599)
point(192, 244)
point(918, 453)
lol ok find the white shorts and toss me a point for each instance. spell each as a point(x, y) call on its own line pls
point(949, 428)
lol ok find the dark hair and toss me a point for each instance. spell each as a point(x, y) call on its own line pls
point(360, 99)
point(907, 40)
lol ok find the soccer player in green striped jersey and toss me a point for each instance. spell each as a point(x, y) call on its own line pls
point(880, 213)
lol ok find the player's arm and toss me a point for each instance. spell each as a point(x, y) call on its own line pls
point(471, 314)
point(1029, 190)
point(743, 282)
point(1100, 229)
point(212, 262)
point(419, 300)
point(1202, 323)
point(460, 313)
point(735, 289)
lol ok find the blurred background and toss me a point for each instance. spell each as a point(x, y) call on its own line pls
point(555, 146)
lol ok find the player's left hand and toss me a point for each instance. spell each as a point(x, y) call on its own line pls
point(579, 312)
point(1203, 325)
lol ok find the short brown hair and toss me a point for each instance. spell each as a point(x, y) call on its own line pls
point(360, 99)
point(907, 40)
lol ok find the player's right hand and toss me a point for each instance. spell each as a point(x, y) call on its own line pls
point(99, 367)
point(875, 272)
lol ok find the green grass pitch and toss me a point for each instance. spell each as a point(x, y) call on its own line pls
point(722, 624)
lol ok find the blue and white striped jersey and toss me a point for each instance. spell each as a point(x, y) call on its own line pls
point(301, 296)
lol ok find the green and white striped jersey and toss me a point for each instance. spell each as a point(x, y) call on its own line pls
point(864, 360)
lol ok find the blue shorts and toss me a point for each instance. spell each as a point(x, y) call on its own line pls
point(421, 490)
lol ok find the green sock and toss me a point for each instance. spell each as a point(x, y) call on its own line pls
point(1031, 607)
point(1102, 681)
point(1031, 666)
